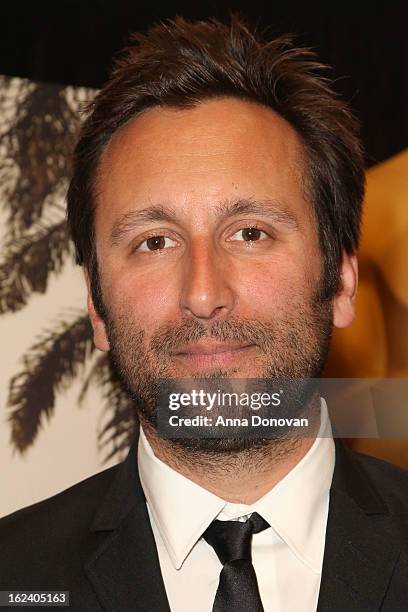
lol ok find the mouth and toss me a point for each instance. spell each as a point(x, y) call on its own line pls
point(212, 354)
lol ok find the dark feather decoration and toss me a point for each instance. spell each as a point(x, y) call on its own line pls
point(39, 143)
point(28, 263)
point(117, 432)
point(39, 124)
point(49, 366)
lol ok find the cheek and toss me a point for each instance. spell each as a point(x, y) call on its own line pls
point(271, 288)
point(146, 301)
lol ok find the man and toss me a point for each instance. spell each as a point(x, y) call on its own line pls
point(215, 206)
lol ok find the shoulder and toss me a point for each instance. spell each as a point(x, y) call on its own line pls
point(390, 481)
point(52, 527)
point(78, 500)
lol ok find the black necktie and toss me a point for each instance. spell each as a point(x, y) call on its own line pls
point(238, 587)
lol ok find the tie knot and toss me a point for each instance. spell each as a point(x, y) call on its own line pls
point(231, 540)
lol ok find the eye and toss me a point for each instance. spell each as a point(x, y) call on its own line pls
point(249, 234)
point(156, 243)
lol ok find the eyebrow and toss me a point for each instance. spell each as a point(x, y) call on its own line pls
point(224, 210)
point(137, 218)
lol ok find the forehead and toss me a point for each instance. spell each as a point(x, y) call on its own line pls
point(219, 149)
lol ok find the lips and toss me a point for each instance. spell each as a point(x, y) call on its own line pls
point(210, 348)
point(211, 354)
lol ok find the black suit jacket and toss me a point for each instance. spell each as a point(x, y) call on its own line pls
point(95, 540)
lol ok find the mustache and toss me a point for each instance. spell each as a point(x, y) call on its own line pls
point(169, 338)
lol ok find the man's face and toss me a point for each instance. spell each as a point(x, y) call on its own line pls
point(207, 247)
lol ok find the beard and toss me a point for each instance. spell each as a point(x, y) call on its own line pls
point(290, 346)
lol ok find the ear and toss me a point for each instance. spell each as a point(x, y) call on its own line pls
point(344, 300)
point(99, 331)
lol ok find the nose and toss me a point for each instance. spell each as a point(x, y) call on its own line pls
point(206, 290)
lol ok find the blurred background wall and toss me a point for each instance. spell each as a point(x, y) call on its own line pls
point(62, 416)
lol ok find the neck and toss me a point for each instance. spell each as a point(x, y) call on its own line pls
point(237, 477)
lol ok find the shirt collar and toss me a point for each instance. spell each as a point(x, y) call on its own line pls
point(296, 507)
point(182, 510)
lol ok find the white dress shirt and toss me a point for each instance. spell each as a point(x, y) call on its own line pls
point(287, 557)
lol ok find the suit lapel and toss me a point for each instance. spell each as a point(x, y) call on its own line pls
point(124, 569)
point(361, 548)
